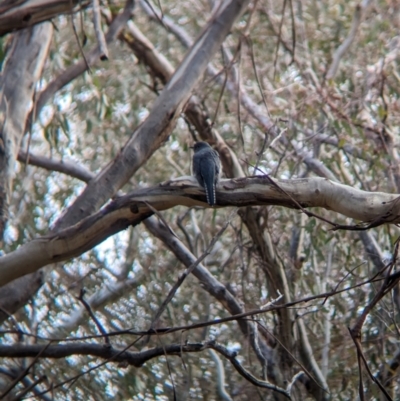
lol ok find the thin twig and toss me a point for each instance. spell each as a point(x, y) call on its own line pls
point(161, 217)
point(79, 42)
point(279, 37)
point(29, 388)
point(253, 62)
point(293, 32)
point(361, 357)
point(92, 315)
point(221, 92)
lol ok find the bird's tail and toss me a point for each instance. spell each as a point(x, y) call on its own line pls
point(209, 184)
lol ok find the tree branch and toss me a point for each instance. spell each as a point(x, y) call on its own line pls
point(149, 136)
point(214, 287)
point(81, 66)
point(160, 68)
point(136, 359)
point(22, 14)
point(21, 70)
point(61, 166)
point(246, 101)
point(101, 40)
point(342, 49)
point(132, 209)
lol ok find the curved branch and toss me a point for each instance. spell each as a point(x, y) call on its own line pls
point(231, 356)
point(135, 207)
point(61, 166)
point(220, 376)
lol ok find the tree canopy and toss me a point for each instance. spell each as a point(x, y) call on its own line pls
point(118, 281)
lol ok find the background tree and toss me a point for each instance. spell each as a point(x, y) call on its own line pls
point(118, 281)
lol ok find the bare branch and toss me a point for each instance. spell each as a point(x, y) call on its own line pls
point(68, 168)
point(101, 40)
point(342, 49)
point(161, 68)
point(149, 136)
point(211, 285)
point(136, 359)
point(93, 316)
point(190, 269)
point(246, 101)
point(231, 356)
point(81, 66)
point(220, 376)
point(114, 354)
point(377, 207)
point(23, 14)
point(240, 317)
point(21, 70)
point(209, 282)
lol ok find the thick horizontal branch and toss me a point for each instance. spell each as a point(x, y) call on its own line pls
point(100, 350)
point(132, 358)
point(133, 208)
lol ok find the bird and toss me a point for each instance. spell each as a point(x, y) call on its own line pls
point(206, 169)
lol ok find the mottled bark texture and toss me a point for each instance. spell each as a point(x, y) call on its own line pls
point(22, 69)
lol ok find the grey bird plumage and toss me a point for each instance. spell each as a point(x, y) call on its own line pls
point(206, 169)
